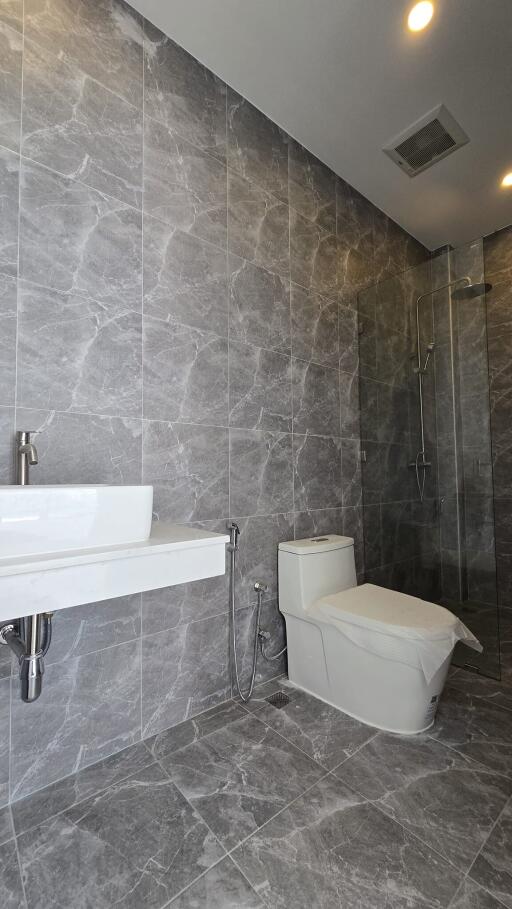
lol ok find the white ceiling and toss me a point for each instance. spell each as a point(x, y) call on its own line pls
point(345, 76)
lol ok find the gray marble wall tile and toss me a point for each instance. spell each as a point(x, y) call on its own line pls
point(258, 225)
point(184, 603)
point(240, 776)
point(492, 867)
point(351, 471)
point(257, 556)
point(184, 671)
point(185, 279)
point(312, 187)
point(223, 887)
point(185, 374)
point(188, 469)
point(8, 319)
point(354, 273)
point(9, 194)
point(141, 829)
point(104, 39)
point(313, 256)
point(44, 804)
point(317, 472)
point(184, 186)
point(89, 708)
point(73, 238)
point(348, 339)
point(180, 92)
point(259, 306)
point(75, 354)
point(354, 219)
point(11, 12)
point(317, 523)
point(5, 743)
point(96, 449)
point(77, 127)
point(257, 147)
point(349, 404)
point(6, 445)
point(261, 478)
point(316, 399)
point(389, 246)
point(353, 527)
point(330, 848)
point(314, 327)
point(12, 895)
point(95, 626)
point(11, 46)
point(260, 388)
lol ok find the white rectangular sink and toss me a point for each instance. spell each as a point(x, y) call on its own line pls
point(63, 546)
point(42, 519)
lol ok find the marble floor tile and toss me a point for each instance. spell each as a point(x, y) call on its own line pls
point(433, 791)
point(11, 887)
point(6, 827)
point(177, 737)
point(475, 727)
point(240, 776)
point(327, 735)
point(138, 844)
point(470, 896)
point(331, 849)
point(493, 867)
point(223, 887)
point(261, 692)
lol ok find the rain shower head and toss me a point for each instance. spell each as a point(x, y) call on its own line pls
point(470, 291)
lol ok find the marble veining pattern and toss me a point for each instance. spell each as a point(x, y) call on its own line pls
point(150, 339)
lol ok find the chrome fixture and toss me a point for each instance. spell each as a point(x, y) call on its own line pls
point(468, 291)
point(28, 638)
point(26, 456)
point(260, 636)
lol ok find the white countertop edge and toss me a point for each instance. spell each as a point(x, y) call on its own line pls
point(164, 538)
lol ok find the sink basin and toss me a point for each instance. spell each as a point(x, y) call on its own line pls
point(43, 519)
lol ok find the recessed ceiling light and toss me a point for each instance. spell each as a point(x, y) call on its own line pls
point(507, 180)
point(420, 15)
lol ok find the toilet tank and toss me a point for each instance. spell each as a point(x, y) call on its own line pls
point(312, 568)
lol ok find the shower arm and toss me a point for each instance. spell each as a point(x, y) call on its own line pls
point(429, 293)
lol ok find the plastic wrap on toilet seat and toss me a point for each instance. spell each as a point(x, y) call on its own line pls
point(395, 626)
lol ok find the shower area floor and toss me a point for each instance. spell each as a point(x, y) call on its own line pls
point(295, 805)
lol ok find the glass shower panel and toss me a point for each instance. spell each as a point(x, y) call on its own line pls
point(426, 445)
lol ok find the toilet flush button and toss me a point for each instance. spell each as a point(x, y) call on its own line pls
point(319, 539)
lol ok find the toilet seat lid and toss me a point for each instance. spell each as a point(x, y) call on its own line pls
point(396, 613)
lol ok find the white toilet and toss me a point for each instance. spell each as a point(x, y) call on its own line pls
point(378, 655)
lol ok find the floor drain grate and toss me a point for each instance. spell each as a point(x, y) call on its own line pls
point(279, 699)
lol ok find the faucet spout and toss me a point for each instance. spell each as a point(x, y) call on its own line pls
point(26, 456)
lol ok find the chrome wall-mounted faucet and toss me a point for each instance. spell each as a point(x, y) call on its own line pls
point(26, 456)
point(29, 638)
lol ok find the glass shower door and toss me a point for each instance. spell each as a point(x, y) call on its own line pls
point(428, 505)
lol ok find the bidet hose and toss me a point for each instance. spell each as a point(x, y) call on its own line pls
point(421, 483)
point(233, 642)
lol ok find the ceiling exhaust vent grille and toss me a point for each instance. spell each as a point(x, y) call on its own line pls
point(427, 141)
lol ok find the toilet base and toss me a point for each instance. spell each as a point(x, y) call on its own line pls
point(379, 692)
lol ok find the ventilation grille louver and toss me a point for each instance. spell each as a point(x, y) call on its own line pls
point(427, 141)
